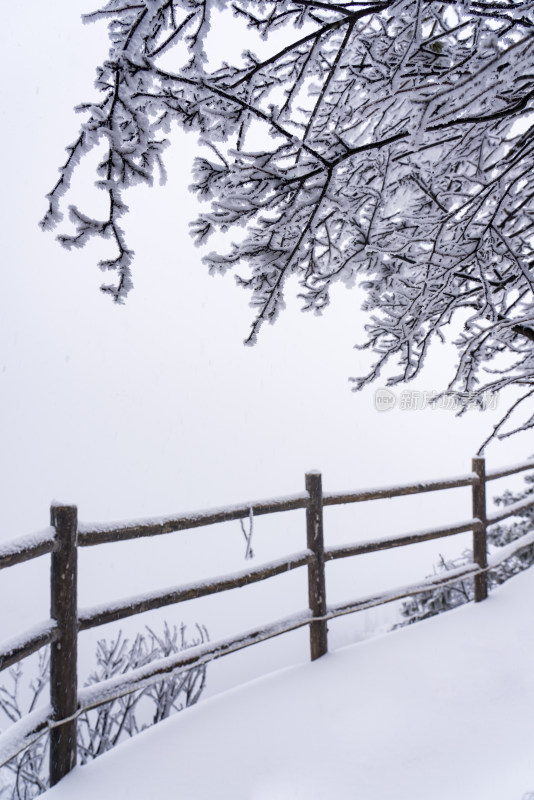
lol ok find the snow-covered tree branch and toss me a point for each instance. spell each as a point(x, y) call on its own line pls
point(390, 142)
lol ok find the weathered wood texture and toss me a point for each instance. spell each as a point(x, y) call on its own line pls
point(91, 617)
point(480, 546)
point(502, 472)
point(316, 576)
point(375, 545)
point(88, 537)
point(19, 552)
point(11, 653)
point(63, 652)
point(510, 511)
point(341, 498)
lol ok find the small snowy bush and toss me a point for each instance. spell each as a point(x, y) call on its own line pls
point(100, 729)
point(443, 598)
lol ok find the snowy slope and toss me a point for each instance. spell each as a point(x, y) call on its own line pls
point(440, 710)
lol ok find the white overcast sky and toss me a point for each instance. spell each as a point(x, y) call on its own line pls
point(157, 407)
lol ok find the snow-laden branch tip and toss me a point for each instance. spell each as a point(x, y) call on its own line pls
point(390, 143)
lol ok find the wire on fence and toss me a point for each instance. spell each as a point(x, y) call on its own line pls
point(65, 535)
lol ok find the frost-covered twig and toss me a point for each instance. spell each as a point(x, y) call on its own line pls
point(390, 142)
point(101, 728)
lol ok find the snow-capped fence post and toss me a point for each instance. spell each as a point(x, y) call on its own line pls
point(480, 551)
point(62, 540)
point(316, 577)
point(63, 652)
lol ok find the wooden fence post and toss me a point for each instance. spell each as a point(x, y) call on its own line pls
point(480, 551)
point(63, 654)
point(316, 577)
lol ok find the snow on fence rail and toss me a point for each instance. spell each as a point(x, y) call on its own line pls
point(27, 547)
point(65, 535)
point(101, 534)
point(101, 615)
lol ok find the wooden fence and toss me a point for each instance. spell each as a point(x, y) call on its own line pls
point(65, 535)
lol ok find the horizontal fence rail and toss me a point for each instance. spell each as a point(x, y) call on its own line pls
point(27, 547)
point(65, 535)
point(387, 492)
point(101, 615)
point(510, 511)
point(493, 474)
point(375, 545)
point(101, 534)
point(20, 647)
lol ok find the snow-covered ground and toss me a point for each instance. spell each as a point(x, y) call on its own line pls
point(440, 710)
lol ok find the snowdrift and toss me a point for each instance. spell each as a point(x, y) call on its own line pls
point(443, 709)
